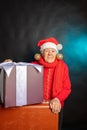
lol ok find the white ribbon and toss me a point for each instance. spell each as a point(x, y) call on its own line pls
point(21, 85)
point(36, 66)
point(8, 66)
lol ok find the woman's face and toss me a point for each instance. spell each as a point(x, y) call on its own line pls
point(49, 55)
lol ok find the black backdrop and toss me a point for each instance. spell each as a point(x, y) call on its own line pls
point(23, 23)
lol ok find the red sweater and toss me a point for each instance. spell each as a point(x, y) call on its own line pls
point(64, 91)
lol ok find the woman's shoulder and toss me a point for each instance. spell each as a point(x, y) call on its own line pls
point(63, 63)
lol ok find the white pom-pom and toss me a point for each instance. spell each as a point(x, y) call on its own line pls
point(59, 46)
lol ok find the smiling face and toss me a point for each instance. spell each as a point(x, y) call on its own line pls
point(49, 55)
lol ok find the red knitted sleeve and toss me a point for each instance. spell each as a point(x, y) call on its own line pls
point(66, 86)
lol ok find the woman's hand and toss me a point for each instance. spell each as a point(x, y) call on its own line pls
point(8, 60)
point(55, 105)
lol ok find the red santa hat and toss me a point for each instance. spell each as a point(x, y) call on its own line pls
point(49, 43)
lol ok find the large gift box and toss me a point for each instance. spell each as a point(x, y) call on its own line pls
point(21, 84)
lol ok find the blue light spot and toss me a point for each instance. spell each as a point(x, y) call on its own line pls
point(75, 52)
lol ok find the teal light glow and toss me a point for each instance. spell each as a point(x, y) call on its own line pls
point(75, 52)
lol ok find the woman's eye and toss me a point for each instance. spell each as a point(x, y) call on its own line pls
point(46, 51)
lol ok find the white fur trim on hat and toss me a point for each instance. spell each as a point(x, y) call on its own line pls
point(48, 45)
point(51, 45)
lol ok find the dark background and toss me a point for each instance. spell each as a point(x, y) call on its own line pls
point(23, 23)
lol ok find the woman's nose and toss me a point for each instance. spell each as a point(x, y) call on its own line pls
point(50, 52)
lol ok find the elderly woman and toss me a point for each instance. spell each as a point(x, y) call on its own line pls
point(57, 85)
